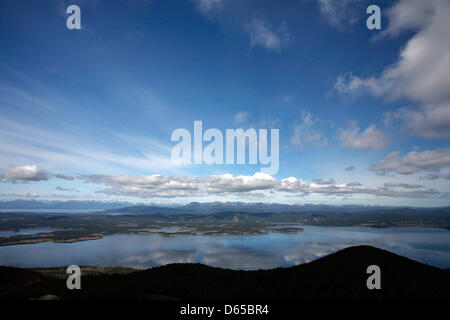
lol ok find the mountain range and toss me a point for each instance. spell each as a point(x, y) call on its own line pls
point(191, 207)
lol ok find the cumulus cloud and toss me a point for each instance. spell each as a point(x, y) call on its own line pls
point(306, 134)
point(409, 15)
point(258, 184)
point(369, 139)
point(241, 117)
point(24, 173)
point(349, 168)
point(29, 173)
point(180, 186)
point(147, 182)
point(323, 181)
point(294, 185)
point(421, 71)
point(432, 121)
point(146, 186)
point(226, 183)
point(414, 161)
point(263, 34)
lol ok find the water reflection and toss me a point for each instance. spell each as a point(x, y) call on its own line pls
point(248, 252)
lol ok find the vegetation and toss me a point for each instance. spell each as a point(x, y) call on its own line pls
point(166, 222)
point(341, 275)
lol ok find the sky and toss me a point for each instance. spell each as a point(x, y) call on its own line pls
point(363, 115)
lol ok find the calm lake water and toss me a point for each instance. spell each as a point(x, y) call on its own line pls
point(26, 231)
point(431, 246)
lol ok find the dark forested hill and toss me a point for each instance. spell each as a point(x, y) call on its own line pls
point(341, 275)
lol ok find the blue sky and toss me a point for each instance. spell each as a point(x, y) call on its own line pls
point(364, 115)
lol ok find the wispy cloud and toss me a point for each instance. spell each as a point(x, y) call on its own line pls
point(306, 134)
point(263, 34)
point(340, 13)
point(241, 117)
point(55, 149)
point(209, 8)
point(59, 188)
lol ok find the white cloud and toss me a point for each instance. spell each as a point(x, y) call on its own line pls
point(228, 183)
point(369, 139)
point(209, 7)
point(408, 15)
point(421, 71)
point(25, 173)
point(338, 13)
point(414, 161)
point(294, 185)
point(305, 134)
point(29, 173)
point(263, 34)
point(180, 186)
point(258, 185)
point(51, 148)
point(241, 117)
point(430, 121)
point(146, 182)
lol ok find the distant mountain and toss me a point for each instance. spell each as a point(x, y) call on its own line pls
point(218, 207)
point(70, 204)
point(193, 207)
point(199, 208)
point(143, 210)
point(341, 275)
point(272, 207)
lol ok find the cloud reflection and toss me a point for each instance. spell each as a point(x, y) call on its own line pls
point(247, 252)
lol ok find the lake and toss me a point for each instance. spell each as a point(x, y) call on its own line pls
point(249, 252)
point(25, 231)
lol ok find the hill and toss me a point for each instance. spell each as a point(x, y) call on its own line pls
point(341, 275)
